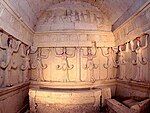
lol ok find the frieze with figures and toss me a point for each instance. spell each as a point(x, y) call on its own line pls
point(61, 64)
point(12, 51)
point(116, 58)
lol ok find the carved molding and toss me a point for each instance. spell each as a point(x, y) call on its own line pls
point(71, 85)
point(73, 38)
point(17, 93)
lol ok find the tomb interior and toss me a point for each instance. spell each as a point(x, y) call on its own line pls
point(74, 56)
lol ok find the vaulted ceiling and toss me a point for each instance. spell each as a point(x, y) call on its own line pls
point(31, 10)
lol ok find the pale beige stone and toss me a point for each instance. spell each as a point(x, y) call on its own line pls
point(77, 54)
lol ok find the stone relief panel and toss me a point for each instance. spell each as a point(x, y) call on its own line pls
point(73, 64)
point(133, 60)
point(13, 24)
point(134, 52)
point(72, 15)
point(14, 61)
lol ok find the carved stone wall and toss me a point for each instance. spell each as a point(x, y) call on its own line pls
point(15, 37)
point(23, 10)
point(71, 79)
point(73, 49)
point(72, 15)
point(14, 99)
point(134, 26)
point(14, 61)
point(73, 65)
point(71, 38)
point(134, 53)
point(12, 24)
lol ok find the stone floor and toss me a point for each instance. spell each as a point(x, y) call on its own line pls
point(29, 112)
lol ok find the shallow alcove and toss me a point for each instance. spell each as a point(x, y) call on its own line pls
point(74, 56)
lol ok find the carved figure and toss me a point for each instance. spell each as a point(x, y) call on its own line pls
point(121, 56)
point(111, 60)
point(90, 65)
point(39, 66)
point(9, 63)
point(65, 64)
point(25, 65)
point(141, 60)
point(122, 62)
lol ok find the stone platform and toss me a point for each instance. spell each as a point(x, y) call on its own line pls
point(49, 100)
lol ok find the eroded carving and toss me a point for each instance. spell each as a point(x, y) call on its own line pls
point(39, 66)
point(122, 62)
point(141, 60)
point(64, 66)
point(139, 51)
point(25, 65)
point(111, 60)
point(70, 16)
point(90, 65)
point(121, 56)
point(9, 62)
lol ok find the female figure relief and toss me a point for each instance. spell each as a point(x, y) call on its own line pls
point(141, 60)
point(111, 61)
point(9, 63)
point(65, 64)
point(39, 66)
point(122, 62)
point(140, 49)
point(90, 65)
point(25, 65)
point(128, 65)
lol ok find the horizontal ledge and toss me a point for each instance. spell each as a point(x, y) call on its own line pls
point(6, 90)
point(71, 85)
